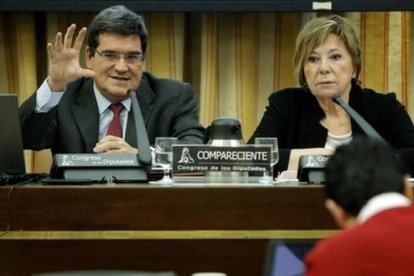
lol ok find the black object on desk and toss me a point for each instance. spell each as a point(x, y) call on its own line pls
point(312, 168)
point(100, 168)
point(11, 145)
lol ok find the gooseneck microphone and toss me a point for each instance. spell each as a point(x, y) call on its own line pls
point(363, 124)
point(144, 151)
point(311, 167)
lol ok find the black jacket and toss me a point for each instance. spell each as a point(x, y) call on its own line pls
point(293, 116)
point(168, 108)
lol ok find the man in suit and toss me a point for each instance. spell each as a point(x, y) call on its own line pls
point(75, 109)
point(369, 196)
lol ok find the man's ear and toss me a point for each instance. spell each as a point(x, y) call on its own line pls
point(408, 189)
point(341, 218)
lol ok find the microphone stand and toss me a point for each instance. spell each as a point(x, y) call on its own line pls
point(311, 168)
point(144, 151)
point(363, 124)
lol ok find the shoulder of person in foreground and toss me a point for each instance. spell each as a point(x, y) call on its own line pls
point(358, 175)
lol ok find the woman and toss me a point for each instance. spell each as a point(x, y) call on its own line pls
point(306, 121)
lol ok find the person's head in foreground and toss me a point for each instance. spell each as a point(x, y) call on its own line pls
point(359, 171)
point(369, 195)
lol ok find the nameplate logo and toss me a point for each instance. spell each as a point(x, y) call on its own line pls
point(314, 161)
point(201, 158)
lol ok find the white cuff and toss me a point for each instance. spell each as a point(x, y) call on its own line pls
point(46, 99)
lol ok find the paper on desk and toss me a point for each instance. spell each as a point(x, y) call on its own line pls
point(288, 176)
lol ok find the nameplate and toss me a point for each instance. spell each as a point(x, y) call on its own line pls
point(203, 158)
point(312, 168)
point(96, 160)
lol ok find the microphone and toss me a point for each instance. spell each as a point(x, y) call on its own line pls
point(144, 151)
point(312, 168)
point(363, 124)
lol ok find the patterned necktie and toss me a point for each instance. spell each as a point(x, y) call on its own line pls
point(115, 128)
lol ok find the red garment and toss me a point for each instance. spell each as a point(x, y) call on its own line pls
point(382, 245)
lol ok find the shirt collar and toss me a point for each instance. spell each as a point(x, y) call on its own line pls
point(381, 203)
point(104, 103)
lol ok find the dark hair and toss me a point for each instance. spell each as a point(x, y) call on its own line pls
point(117, 19)
point(361, 170)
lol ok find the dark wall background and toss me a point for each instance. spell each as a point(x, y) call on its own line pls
point(210, 5)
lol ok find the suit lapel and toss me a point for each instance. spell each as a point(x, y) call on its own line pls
point(145, 97)
point(86, 114)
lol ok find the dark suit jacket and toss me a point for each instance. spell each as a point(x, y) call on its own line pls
point(293, 117)
point(168, 108)
point(382, 245)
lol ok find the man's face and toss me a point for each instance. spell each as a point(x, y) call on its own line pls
point(117, 64)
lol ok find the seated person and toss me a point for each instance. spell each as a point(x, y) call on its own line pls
point(369, 196)
point(306, 121)
point(71, 112)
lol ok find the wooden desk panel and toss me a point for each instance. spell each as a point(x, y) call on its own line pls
point(145, 207)
point(143, 227)
point(234, 257)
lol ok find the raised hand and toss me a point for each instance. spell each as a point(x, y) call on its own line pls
point(63, 59)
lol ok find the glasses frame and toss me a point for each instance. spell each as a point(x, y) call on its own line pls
point(114, 57)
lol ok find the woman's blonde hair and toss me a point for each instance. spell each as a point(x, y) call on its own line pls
point(315, 32)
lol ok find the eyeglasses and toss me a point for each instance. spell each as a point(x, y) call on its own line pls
point(132, 58)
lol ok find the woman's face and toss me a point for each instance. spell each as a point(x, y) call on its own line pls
point(329, 69)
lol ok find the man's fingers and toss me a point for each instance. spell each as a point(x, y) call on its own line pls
point(107, 146)
point(112, 144)
point(50, 51)
point(87, 73)
point(66, 43)
point(115, 151)
point(108, 143)
point(79, 39)
point(110, 138)
point(69, 36)
point(58, 42)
